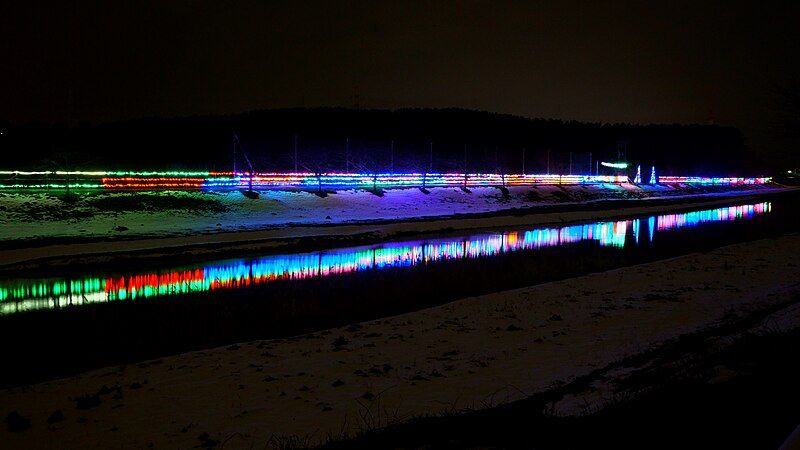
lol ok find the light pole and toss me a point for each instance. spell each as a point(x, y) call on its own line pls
point(295, 153)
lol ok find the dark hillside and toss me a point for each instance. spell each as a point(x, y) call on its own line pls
point(492, 141)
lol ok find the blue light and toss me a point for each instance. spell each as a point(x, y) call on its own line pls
point(21, 295)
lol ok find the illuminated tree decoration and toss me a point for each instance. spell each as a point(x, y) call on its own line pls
point(653, 179)
point(638, 179)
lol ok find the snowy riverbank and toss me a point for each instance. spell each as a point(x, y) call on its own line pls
point(471, 353)
point(280, 237)
point(36, 226)
point(39, 215)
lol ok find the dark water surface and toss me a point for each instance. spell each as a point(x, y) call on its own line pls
point(122, 316)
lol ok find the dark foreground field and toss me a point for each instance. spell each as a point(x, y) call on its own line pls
point(732, 386)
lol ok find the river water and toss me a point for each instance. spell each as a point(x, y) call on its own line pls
point(59, 325)
point(645, 233)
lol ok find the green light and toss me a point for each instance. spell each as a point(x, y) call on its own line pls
point(103, 173)
point(615, 165)
point(51, 186)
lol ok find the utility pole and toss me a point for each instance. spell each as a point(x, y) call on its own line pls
point(430, 168)
point(523, 160)
point(570, 163)
point(430, 163)
point(391, 158)
point(251, 172)
point(347, 155)
point(234, 154)
point(590, 163)
point(465, 166)
point(295, 153)
point(548, 161)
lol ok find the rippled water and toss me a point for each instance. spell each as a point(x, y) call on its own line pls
point(18, 295)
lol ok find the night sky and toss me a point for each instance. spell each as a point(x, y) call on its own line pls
point(616, 61)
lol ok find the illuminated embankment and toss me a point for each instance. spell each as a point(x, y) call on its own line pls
point(120, 180)
point(22, 295)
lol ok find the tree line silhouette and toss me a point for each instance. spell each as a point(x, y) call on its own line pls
point(404, 140)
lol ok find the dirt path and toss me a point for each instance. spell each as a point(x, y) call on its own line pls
point(471, 353)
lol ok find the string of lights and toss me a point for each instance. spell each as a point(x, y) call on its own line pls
point(712, 180)
point(133, 180)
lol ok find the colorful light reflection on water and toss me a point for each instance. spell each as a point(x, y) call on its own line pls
point(24, 295)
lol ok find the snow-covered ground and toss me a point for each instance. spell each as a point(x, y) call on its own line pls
point(472, 353)
point(35, 215)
